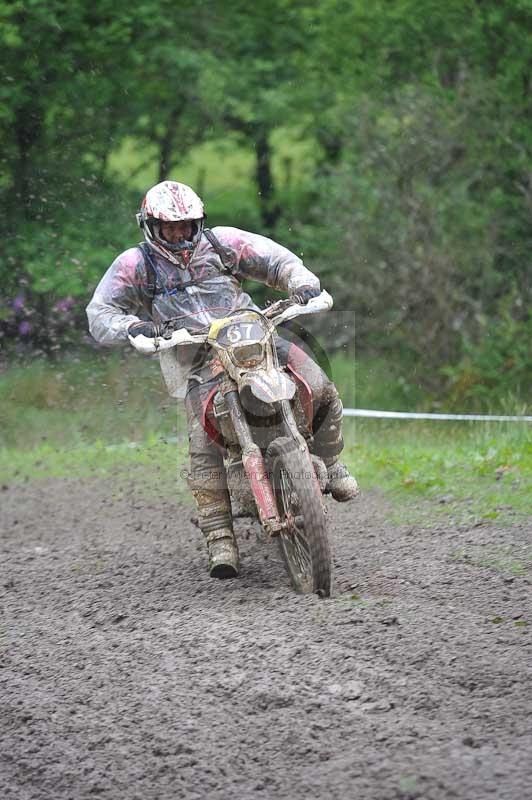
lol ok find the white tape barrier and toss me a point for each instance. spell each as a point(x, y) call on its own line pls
point(368, 412)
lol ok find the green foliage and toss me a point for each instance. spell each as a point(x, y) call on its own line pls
point(495, 370)
point(66, 250)
point(389, 143)
point(425, 189)
point(414, 223)
point(65, 95)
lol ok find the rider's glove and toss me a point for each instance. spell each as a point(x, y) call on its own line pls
point(303, 294)
point(142, 329)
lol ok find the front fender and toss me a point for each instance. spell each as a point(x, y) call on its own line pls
point(269, 387)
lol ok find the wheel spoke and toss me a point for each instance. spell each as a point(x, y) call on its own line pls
point(303, 555)
point(294, 542)
point(298, 557)
point(303, 544)
point(290, 498)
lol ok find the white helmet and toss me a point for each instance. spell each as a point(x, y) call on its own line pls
point(171, 201)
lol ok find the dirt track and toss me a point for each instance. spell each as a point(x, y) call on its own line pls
point(125, 672)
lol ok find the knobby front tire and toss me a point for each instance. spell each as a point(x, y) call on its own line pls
point(304, 544)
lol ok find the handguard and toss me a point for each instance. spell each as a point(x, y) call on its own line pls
point(148, 345)
point(316, 305)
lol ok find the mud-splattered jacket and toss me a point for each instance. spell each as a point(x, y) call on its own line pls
point(122, 295)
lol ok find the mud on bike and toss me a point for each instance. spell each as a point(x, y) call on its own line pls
point(261, 414)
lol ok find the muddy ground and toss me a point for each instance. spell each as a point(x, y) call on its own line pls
point(127, 673)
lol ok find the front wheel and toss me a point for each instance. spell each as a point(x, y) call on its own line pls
point(303, 543)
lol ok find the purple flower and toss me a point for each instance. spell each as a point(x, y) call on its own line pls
point(65, 304)
point(18, 303)
point(25, 328)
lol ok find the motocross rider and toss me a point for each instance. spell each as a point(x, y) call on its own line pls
point(179, 271)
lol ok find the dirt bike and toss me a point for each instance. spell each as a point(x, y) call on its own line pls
point(262, 416)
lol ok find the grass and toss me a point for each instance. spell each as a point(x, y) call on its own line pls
point(470, 471)
point(502, 559)
point(157, 466)
point(79, 416)
point(110, 397)
point(116, 395)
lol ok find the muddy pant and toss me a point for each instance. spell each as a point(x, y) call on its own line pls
point(207, 473)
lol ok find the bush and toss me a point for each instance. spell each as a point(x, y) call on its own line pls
point(495, 370)
point(413, 225)
point(55, 260)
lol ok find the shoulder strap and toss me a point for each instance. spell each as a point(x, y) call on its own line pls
point(151, 273)
point(227, 256)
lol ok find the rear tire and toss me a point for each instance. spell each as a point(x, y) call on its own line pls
point(304, 543)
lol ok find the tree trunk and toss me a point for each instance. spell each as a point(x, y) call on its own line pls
point(166, 144)
point(270, 210)
point(28, 129)
point(332, 147)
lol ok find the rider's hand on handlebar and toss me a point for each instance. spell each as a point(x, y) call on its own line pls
point(142, 329)
point(303, 294)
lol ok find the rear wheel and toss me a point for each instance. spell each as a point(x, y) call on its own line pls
point(304, 543)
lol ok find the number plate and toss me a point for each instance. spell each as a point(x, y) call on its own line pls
point(238, 331)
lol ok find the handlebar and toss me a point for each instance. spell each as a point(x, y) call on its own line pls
point(278, 312)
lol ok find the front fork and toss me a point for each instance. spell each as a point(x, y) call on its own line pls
point(253, 462)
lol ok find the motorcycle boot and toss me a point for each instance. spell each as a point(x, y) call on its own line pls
point(329, 443)
point(215, 522)
point(341, 484)
point(223, 553)
point(214, 519)
point(208, 484)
